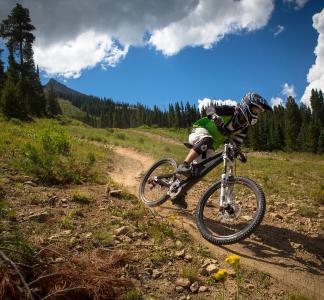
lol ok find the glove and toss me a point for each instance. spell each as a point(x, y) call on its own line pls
point(242, 157)
point(224, 131)
point(217, 120)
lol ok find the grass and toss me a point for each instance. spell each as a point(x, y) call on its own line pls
point(159, 231)
point(282, 175)
point(104, 238)
point(306, 211)
point(132, 294)
point(81, 198)
point(190, 271)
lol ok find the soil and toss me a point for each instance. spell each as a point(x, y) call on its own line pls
point(295, 258)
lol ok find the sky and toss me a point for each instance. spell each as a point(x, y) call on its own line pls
point(158, 52)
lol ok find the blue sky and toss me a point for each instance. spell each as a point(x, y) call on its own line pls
point(239, 61)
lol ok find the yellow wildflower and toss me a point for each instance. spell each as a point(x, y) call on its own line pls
point(234, 261)
point(221, 275)
point(172, 217)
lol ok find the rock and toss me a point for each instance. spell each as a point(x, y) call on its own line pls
point(180, 254)
point(202, 289)
point(246, 218)
point(194, 287)
point(276, 216)
point(212, 268)
point(178, 244)
point(296, 245)
point(188, 257)
point(107, 190)
point(179, 289)
point(31, 183)
point(156, 274)
point(52, 200)
point(183, 297)
point(115, 193)
point(184, 282)
point(250, 286)
point(88, 235)
point(64, 200)
point(59, 259)
point(209, 261)
point(41, 217)
point(115, 219)
point(121, 230)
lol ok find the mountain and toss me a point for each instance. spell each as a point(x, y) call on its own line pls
point(61, 89)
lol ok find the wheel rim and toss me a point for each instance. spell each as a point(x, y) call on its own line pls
point(234, 219)
point(156, 185)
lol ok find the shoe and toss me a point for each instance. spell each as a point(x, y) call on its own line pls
point(180, 201)
point(184, 169)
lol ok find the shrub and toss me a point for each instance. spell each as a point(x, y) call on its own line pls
point(121, 136)
point(55, 142)
point(53, 162)
point(306, 211)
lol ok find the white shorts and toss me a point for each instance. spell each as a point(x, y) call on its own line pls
point(197, 134)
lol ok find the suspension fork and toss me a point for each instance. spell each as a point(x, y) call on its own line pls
point(228, 171)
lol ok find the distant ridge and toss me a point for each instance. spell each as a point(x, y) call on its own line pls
point(59, 88)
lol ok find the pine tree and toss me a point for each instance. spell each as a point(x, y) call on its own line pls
point(2, 73)
point(292, 124)
point(2, 79)
point(12, 101)
point(52, 106)
point(320, 147)
point(17, 29)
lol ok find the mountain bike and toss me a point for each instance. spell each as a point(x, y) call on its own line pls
point(228, 211)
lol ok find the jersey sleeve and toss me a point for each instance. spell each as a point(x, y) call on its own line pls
point(239, 137)
point(224, 110)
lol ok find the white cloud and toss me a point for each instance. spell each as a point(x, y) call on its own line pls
point(279, 29)
point(209, 22)
point(298, 4)
point(315, 77)
point(276, 101)
point(288, 90)
point(79, 34)
point(207, 102)
point(68, 58)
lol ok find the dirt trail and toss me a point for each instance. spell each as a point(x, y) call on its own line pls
point(268, 250)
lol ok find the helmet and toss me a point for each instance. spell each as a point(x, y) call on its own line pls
point(248, 101)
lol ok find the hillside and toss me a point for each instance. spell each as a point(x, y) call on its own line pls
point(79, 207)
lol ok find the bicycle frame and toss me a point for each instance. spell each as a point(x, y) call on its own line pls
point(228, 162)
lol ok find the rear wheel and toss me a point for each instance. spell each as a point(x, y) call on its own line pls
point(156, 182)
point(234, 222)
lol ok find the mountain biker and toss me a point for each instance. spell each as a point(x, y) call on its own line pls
point(222, 121)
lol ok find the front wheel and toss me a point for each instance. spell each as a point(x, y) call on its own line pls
point(237, 220)
point(157, 181)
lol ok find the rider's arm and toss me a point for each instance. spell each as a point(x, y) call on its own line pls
point(216, 111)
point(239, 137)
point(224, 110)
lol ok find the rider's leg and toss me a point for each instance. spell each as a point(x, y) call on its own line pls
point(193, 154)
point(198, 148)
